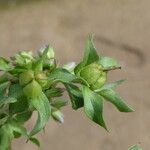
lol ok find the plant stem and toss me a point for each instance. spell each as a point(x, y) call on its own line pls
point(112, 68)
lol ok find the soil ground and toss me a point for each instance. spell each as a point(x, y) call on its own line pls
point(122, 30)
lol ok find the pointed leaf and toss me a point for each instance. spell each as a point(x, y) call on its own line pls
point(108, 62)
point(112, 85)
point(62, 75)
point(90, 55)
point(58, 103)
point(135, 147)
point(42, 105)
point(3, 88)
point(93, 106)
point(115, 99)
point(35, 141)
point(4, 66)
point(75, 95)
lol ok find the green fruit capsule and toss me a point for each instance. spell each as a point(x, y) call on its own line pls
point(91, 73)
point(26, 77)
point(32, 90)
point(42, 79)
point(94, 75)
point(100, 82)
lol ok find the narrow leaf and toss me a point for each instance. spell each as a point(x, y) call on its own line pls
point(108, 62)
point(135, 147)
point(75, 95)
point(39, 101)
point(115, 99)
point(62, 75)
point(112, 85)
point(35, 141)
point(93, 106)
point(4, 66)
point(90, 55)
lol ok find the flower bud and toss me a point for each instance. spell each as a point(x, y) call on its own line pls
point(26, 77)
point(58, 116)
point(22, 58)
point(94, 75)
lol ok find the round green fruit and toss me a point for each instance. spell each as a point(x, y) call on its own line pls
point(26, 77)
point(94, 75)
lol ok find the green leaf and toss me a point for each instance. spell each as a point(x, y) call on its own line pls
point(3, 88)
point(6, 137)
point(18, 128)
point(62, 75)
point(7, 100)
point(58, 103)
point(115, 99)
point(41, 104)
point(4, 64)
point(75, 95)
point(7, 133)
point(35, 141)
point(108, 62)
point(112, 85)
point(46, 52)
point(54, 92)
point(3, 78)
point(23, 117)
point(93, 106)
point(39, 101)
point(135, 147)
point(16, 91)
point(90, 55)
point(3, 119)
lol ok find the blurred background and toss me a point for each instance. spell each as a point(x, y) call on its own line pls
point(122, 31)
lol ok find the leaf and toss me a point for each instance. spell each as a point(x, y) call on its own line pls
point(112, 85)
point(23, 117)
point(54, 92)
point(3, 88)
point(93, 106)
point(58, 103)
point(75, 96)
point(90, 55)
point(70, 66)
point(115, 99)
point(135, 147)
point(39, 101)
point(3, 78)
point(3, 119)
point(41, 104)
point(4, 64)
point(18, 128)
point(35, 141)
point(62, 75)
point(7, 100)
point(6, 137)
point(7, 133)
point(108, 62)
point(38, 66)
point(16, 91)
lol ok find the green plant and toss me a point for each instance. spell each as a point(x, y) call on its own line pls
point(34, 83)
point(135, 147)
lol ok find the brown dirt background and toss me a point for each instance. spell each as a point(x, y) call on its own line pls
point(122, 30)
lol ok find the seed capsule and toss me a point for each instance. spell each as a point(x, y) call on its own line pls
point(26, 77)
point(94, 75)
